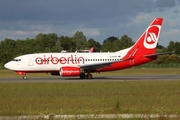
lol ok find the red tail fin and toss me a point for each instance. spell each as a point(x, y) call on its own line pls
point(147, 43)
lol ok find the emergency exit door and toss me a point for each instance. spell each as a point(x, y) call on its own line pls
point(30, 61)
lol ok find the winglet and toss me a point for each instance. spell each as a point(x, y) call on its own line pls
point(91, 50)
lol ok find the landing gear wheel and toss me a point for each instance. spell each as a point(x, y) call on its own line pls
point(24, 77)
point(82, 76)
point(89, 76)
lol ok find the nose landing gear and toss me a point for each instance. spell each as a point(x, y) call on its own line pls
point(24, 77)
point(22, 73)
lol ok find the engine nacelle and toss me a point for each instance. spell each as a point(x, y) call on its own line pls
point(70, 71)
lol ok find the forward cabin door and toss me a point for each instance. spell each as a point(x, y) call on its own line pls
point(30, 61)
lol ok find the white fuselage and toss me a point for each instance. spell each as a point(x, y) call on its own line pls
point(54, 61)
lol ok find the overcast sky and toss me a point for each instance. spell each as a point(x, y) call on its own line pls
point(97, 19)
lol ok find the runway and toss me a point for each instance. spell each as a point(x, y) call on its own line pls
point(103, 78)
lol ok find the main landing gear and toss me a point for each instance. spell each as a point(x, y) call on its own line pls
point(88, 76)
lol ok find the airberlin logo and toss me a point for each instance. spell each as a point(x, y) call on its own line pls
point(151, 37)
point(69, 72)
point(72, 59)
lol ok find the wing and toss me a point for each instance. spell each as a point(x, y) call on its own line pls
point(95, 66)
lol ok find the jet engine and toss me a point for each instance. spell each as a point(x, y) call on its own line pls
point(70, 71)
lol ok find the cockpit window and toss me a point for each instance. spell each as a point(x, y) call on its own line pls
point(17, 60)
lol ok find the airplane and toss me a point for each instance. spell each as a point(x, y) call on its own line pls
point(83, 64)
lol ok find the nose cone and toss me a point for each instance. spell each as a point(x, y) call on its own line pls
point(8, 65)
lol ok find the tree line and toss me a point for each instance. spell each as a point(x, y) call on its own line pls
point(50, 42)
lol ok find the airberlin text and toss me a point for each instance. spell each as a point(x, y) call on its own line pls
point(72, 59)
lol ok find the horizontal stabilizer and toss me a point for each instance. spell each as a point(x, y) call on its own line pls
point(156, 54)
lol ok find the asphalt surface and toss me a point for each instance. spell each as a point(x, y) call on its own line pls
point(103, 78)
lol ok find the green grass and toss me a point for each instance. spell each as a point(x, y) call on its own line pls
point(161, 97)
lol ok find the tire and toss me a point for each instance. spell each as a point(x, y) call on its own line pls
point(24, 77)
point(89, 76)
point(82, 76)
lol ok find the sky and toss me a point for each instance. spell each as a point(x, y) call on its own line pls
point(97, 19)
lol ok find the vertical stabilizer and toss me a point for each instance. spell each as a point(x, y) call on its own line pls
point(147, 43)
